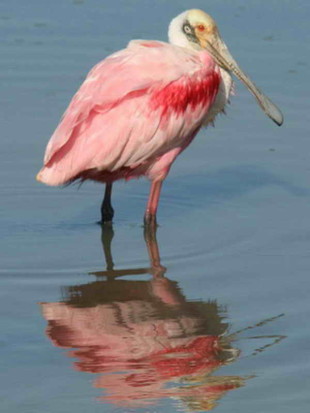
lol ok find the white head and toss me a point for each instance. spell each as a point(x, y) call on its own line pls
point(190, 28)
point(195, 29)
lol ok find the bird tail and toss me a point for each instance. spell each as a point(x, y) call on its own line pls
point(52, 176)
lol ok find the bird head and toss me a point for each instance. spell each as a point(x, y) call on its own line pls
point(197, 30)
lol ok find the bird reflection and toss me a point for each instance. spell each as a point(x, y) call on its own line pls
point(143, 338)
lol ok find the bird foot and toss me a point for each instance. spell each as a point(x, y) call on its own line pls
point(150, 222)
point(105, 224)
point(107, 214)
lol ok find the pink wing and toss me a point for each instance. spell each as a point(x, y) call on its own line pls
point(134, 106)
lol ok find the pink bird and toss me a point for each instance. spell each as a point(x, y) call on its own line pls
point(139, 108)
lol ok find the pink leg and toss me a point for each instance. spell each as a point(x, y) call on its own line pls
point(152, 204)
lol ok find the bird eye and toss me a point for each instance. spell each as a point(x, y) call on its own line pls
point(201, 27)
point(187, 29)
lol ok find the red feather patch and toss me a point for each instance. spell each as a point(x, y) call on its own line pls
point(177, 96)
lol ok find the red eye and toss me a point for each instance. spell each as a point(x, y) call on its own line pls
point(201, 27)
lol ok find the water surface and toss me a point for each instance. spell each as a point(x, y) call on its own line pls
point(218, 318)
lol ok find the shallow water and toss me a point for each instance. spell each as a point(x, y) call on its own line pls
point(220, 320)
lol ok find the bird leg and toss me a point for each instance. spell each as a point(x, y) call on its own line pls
point(107, 211)
point(152, 204)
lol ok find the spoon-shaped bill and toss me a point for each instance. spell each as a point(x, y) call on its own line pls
point(222, 56)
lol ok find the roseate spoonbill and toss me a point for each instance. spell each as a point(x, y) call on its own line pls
point(139, 108)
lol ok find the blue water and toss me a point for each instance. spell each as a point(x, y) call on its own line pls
point(234, 229)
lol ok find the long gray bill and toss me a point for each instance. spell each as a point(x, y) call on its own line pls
point(223, 57)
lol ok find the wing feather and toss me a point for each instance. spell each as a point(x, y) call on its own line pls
point(118, 118)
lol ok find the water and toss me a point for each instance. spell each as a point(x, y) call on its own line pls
point(220, 319)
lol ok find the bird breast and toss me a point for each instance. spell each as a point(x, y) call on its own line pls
point(222, 97)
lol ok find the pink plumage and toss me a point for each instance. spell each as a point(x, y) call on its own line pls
point(134, 113)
